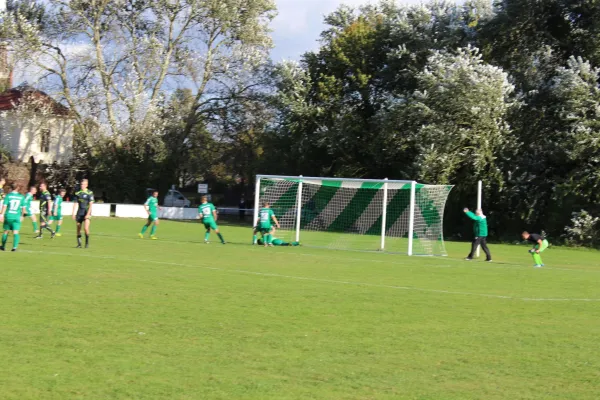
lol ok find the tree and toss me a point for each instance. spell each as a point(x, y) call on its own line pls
point(557, 126)
point(369, 60)
point(461, 103)
point(520, 28)
point(116, 62)
point(129, 51)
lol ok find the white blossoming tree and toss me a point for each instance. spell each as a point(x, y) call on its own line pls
point(461, 106)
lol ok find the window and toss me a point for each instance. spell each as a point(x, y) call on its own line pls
point(45, 141)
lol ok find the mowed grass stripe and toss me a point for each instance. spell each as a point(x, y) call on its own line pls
point(124, 324)
point(313, 279)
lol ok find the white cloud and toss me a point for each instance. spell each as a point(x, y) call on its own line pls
point(299, 23)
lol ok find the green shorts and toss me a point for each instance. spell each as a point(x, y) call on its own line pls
point(152, 217)
point(12, 224)
point(211, 225)
point(28, 212)
point(543, 247)
point(265, 229)
point(58, 217)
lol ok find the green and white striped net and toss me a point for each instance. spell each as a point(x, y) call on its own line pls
point(348, 215)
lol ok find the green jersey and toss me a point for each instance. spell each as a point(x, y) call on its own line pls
point(152, 204)
point(28, 200)
point(14, 203)
point(206, 211)
point(57, 209)
point(265, 216)
point(480, 227)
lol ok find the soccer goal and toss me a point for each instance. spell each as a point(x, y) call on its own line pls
point(356, 214)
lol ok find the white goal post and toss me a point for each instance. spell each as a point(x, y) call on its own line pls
point(356, 214)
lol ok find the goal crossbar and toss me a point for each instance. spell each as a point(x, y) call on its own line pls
point(314, 178)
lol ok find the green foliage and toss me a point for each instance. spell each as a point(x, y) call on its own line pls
point(582, 230)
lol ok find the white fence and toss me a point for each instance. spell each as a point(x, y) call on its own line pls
point(98, 210)
point(138, 211)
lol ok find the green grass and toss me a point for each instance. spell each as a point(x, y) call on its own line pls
point(177, 319)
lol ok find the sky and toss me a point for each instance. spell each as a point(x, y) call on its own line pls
point(297, 27)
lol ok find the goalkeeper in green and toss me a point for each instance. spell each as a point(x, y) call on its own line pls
point(151, 207)
point(539, 245)
point(208, 215)
point(264, 225)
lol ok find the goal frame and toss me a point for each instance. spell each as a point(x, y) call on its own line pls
point(385, 182)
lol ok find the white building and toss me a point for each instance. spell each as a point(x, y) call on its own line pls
point(32, 124)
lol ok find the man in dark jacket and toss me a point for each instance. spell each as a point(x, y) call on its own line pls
point(480, 229)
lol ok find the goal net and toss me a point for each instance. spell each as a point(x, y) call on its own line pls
point(356, 214)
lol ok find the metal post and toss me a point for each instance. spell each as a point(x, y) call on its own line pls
point(411, 217)
point(384, 213)
point(256, 200)
point(299, 210)
point(479, 194)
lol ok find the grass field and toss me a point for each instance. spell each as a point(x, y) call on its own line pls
point(177, 319)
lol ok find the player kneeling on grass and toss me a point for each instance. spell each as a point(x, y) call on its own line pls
point(539, 245)
point(57, 211)
point(12, 209)
point(264, 224)
point(28, 211)
point(208, 215)
point(151, 206)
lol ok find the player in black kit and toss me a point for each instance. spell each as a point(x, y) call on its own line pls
point(82, 212)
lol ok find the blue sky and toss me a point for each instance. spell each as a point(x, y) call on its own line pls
point(297, 27)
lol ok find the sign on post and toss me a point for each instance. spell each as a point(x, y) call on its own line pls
point(202, 188)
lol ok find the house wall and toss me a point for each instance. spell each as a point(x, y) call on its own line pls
point(22, 136)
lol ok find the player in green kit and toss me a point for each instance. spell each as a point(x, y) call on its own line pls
point(82, 212)
point(45, 211)
point(28, 211)
point(12, 210)
point(151, 206)
point(278, 242)
point(264, 224)
point(208, 214)
point(57, 210)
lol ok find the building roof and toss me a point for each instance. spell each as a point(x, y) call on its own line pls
point(12, 98)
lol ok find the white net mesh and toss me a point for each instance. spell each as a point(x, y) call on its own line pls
point(349, 214)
